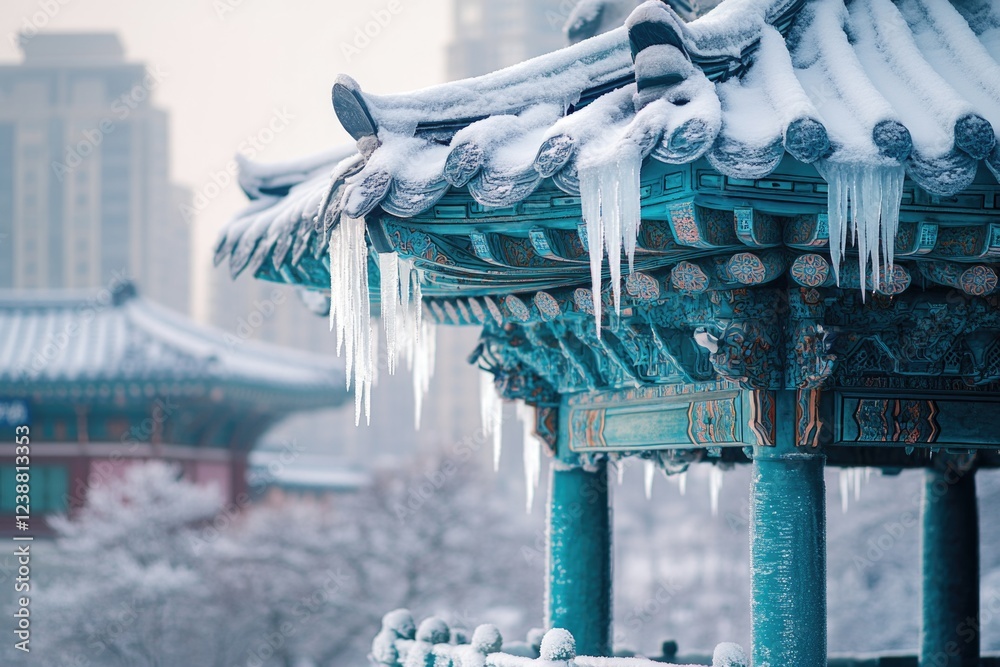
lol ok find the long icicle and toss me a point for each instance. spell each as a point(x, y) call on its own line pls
point(610, 194)
point(532, 452)
point(491, 413)
point(864, 198)
point(350, 308)
point(388, 264)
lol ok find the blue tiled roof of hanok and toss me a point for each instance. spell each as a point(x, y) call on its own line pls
point(911, 82)
point(94, 340)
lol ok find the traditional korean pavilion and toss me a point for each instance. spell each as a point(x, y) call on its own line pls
point(106, 379)
point(805, 196)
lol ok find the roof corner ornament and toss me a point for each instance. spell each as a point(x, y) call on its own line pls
point(352, 110)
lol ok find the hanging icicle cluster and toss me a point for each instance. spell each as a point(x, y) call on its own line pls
point(406, 332)
point(851, 481)
point(491, 414)
point(350, 316)
point(350, 309)
point(532, 452)
point(609, 193)
point(864, 198)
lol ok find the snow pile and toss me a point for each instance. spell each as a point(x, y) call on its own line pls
point(436, 646)
point(728, 654)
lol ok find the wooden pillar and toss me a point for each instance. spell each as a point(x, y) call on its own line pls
point(578, 587)
point(788, 549)
point(950, 549)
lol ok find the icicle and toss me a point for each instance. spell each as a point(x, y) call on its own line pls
point(350, 310)
point(424, 349)
point(629, 203)
point(682, 482)
point(715, 488)
point(650, 472)
point(532, 452)
point(388, 264)
point(851, 480)
point(404, 270)
point(870, 195)
point(620, 467)
point(609, 191)
point(845, 484)
point(590, 197)
point(491, 413)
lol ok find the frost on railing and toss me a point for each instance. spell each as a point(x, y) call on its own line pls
point(400, 643)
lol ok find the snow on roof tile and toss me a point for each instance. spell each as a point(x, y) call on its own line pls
point(62, 336)
point(917, 83)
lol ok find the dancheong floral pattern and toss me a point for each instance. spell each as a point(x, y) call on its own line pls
point(517, 308)
point(978, 280)
point(642, 286)
point(747, 268)
point(810, 270)
point(547, 306)
point(688, 277)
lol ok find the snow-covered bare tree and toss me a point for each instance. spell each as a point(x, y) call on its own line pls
point(155, 571)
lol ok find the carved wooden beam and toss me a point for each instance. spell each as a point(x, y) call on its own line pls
point(812, 270)
point(747, 268)
point(699, 227)
point(809, 230)
point(756, 229)
point(975, 280)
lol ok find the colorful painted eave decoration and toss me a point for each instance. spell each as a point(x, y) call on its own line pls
point(737, 115)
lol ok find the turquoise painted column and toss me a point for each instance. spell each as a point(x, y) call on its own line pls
point(578, 588)
point(788, 550)
point(950, 546)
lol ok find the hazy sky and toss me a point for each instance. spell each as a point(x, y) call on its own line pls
point(231, 66)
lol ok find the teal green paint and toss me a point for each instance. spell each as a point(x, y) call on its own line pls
point(950, 545)
point(788, 550)
point(578, 595)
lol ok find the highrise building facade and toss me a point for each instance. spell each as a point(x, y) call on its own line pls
point(85, 194)
point(493, 35)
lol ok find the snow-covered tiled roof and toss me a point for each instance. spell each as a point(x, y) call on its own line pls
point(911, 82)
point(79, 337)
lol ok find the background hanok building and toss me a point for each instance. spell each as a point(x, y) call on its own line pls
point(107, 379)
point(806, 196)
